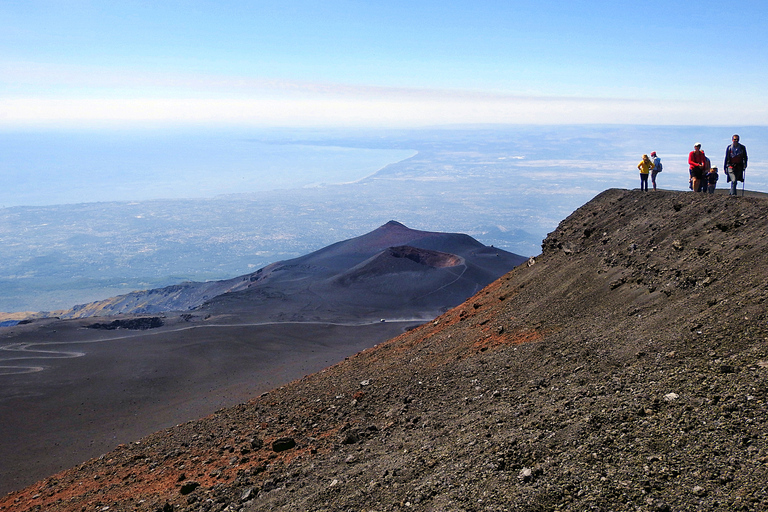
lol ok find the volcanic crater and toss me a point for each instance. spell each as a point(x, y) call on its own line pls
point(625, 368)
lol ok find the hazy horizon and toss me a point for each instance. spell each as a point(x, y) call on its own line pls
point(56, 166)
point(506, 186)
point(53, 167)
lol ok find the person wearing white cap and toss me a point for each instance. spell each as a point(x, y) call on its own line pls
point(696, 161)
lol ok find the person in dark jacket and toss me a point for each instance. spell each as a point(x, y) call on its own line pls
point(704, 183)
point(735, 163)
point(711, 180)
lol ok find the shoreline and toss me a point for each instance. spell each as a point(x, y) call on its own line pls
point(64, 168)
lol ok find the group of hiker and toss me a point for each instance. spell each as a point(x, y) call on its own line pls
point(703, 176)
point(648, 166)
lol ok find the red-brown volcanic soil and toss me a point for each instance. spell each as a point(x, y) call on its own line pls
point(626, 368)
point(111, 380)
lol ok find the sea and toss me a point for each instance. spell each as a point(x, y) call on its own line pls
point(49, 167)
point(41, 167)
point(90, 214)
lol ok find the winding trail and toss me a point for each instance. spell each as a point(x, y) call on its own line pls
point(47, 353)
point(464, 266)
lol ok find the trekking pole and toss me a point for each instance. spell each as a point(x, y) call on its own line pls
point(743, 181)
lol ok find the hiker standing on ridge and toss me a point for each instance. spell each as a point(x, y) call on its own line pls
point(710, 181)
point(735, 163)
point(704, 177)
point(656, 168)
point(645, 167)
point(696, 160)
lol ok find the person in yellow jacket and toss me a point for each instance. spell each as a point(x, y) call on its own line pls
point(645, 166)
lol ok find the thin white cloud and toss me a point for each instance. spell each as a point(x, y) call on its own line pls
point(300, 111)
point(46, 94)
point(101, 81)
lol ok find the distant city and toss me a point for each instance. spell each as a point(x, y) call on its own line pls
point(505, 186)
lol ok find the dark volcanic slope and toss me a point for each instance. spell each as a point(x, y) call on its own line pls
point(393, 271)
point(312, 287)
point(627, 369)
point(68, 393)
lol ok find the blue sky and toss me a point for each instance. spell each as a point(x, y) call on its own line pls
point(394, 63)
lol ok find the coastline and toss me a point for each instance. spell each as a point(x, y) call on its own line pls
point(373, 174)
point(58, 168)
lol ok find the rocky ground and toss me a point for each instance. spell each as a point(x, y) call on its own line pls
point(625, 368)
point(74, 387)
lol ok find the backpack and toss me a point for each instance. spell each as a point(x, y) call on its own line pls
point(658, 167)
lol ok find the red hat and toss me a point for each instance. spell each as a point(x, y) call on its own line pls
point(653, 153)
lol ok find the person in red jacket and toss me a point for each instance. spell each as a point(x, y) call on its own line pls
point(696, 161)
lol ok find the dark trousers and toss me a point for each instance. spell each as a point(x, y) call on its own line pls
point(643, 181)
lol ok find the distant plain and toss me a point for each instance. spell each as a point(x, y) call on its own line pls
point(73, 388)
point(93, 215)
point(506, 187)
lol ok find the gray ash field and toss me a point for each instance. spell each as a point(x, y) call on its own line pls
point(626, 369)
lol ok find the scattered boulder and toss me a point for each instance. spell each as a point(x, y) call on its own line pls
point(188, 487)
point(283, 443)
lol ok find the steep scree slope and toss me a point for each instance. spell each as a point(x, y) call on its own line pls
point(626, 369)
